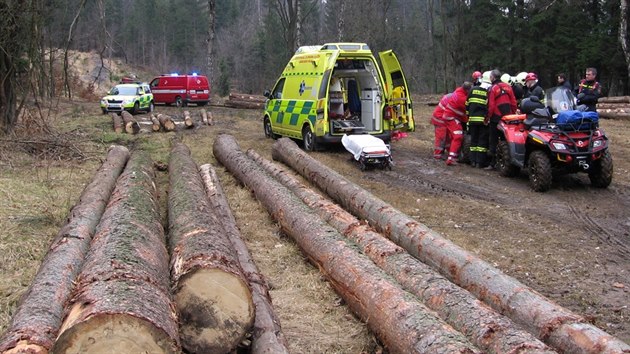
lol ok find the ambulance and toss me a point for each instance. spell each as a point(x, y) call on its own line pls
point(330, 90)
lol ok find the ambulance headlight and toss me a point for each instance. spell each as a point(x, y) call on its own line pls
point(559, 146)
point(103, 101)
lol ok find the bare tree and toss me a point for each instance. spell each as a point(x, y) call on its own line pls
point(623, 33)
point(66, 81)
point(210, 39)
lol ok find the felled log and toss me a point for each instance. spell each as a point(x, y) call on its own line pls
point(612, 105)
point(36, 321)
point(402, 323)
point(166, 122)
point(117, 122)
point(122, 303)
point(484, 327)
point(614, 115)
point(211, 292)
point(131, 126)
point(267, 336)
point(244, 104)
point(246, 97)
point(188, 122)
point(155, 126)
point(614, 99)
point(550, 322)
point(204, 116)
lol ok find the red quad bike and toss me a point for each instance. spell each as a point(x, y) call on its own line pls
point(553, 140)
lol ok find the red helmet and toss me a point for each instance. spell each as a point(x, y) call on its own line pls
point(531, 76)
point(476, 75)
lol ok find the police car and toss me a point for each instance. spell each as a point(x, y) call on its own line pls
point(128, 97)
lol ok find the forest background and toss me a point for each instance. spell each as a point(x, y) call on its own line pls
point(244, 44)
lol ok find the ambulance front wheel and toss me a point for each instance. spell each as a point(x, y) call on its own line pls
point(308, 139)
point(269, 130)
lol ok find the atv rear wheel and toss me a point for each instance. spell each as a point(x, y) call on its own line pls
point(540, 175)
point(504, 165)
point(601, 172)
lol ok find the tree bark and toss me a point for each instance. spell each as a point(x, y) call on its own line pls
point(122, 299)
point(244, 104)
point(553, 324)
point(211, 292)
point(484, 327)
point(623, 33)
point(131, 126)
point(37, 319)
point(117, 122)
point(267, 336)
point(613, 115)
point(166, 122)
point(402, 323)
point(621, 105)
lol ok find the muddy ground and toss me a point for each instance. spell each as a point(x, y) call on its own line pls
point(571, 244)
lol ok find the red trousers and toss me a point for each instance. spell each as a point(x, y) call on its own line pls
point(456, 136)
point(442, 139)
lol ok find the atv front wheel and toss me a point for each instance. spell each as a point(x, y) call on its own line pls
point(464, 154)
point(601, 172)
point(540, 175)
point(504, 165)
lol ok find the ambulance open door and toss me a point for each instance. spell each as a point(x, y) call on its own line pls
point(397, 92)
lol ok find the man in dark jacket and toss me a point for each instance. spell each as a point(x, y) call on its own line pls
point(589, 90)
point(563, 82)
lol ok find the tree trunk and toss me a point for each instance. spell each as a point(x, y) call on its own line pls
point(402, 323)
point(210, 40)
point(613, 115)
point(117, 122)
point(615, 99)
point(621, 105)
point(245, 97)
point(155, 123)
point(188, 122)
point(166, 122)
point(484, 327)
point(244, 104)
point(553, 324)
point(267, 336)
point(623, 34)
point(37, 319)
point(204, 116)
point(131, 126)
point(122, 299)
point(211, 293)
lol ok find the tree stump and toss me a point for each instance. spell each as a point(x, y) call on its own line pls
point(166, 122)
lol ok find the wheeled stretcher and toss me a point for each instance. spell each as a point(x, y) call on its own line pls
point(368, 150)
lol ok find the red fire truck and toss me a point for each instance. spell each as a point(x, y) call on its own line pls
point(181, 89)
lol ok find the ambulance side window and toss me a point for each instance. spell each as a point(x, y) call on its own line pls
point(277, 91)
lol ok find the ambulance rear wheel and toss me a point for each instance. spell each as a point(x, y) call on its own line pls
point(308, 139)
point(178, 102)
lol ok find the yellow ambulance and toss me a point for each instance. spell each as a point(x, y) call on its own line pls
point(330, 90)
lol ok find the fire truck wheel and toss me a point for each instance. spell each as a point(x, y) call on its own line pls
point(178, 102)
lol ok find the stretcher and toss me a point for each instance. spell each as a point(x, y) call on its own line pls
point(368, 151)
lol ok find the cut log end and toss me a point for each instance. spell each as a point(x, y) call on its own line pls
point(119, 333)
point(24, 347)
point(216, 311)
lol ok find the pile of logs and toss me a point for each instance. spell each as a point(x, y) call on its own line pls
point(417, 291)
point(125, 122)
point(106, 284)
point(614, 107)
point(242, 100)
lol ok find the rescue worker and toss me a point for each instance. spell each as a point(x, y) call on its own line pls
point(441, 135)
point(477, 109)
point(563, 82)
point(518, 86)
point(454, 116)
point(501, 102)
point(533, 88)
point(588, 91)
point(476, 78)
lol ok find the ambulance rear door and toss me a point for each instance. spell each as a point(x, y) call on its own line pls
point(397, 92)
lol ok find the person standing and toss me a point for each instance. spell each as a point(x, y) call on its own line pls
point(441, 134)
point(563, 82)
point(454, 116)
point(589, 90)
point(477, 109)
point(501, 102)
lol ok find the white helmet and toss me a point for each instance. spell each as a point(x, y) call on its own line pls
point(506, 78)
point(485, 78)
point(520, 78)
